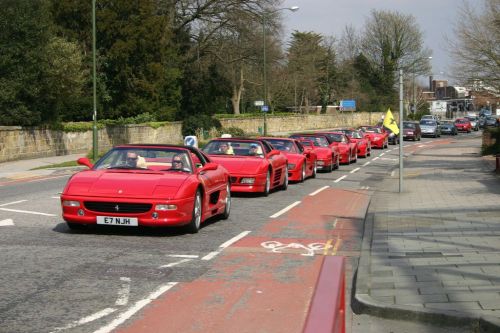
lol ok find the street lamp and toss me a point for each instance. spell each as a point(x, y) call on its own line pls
point(94, 116)
point(265, 107)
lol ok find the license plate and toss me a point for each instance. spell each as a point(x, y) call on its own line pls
point(113, 220)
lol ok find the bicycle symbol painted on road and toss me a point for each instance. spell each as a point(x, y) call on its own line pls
point(278, 247)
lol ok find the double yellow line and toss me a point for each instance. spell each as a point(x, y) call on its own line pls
point(333, 245)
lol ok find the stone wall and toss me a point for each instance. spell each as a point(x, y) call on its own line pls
point(25, 143)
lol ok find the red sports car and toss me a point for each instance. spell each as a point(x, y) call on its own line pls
point(463, 125)
point(147, 185)
point(364, 144)
point(348, 149)
point(328, 157)
point(301, 163)
point(378, 138)
point(253, 164)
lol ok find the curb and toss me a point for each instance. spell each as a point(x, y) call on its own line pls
point(363, 303)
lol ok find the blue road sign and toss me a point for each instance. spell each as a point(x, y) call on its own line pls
point(264, 108)
point(348, 105)
point(191, 140)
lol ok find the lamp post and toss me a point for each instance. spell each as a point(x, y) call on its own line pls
point(94, 116)
point(265, 107)
point(400, 130)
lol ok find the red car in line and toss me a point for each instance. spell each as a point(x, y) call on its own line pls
point(463, 125)
point(328, 157)
point(364, 144)
point(254, 165)
point(147, 185)
point(301, 163)
point(378, 138)
point(348, 150)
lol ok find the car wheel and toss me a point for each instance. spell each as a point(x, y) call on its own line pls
point(267, 186)
point(284, 187)
point(315, 170)
point(303, 173)
point(355, 158)
point(419, 137)
point(195, 223)
point(227, 206)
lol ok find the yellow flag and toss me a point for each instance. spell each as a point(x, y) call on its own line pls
point(390, 122)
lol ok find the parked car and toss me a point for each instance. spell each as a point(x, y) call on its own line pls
point(301, 162)
point(378, 138)
point(147, 185)
point(430, 127)
point(430, 117)
point(463, 125)
point(364, 144)
point(254, 165)
point(474, 121)
point(448, 127)
point(411, 131)
point(348, 149)
point(327, 153)
point(491, 121)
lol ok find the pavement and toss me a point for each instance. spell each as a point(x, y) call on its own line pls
point(430, 253)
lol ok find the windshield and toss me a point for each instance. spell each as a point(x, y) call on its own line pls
point(336, 137)
point(154, 158)
point(356, 135)
point(234, 148)
point(409, 125)
point(426, 122)
point(319, 141)
point(283, 145)
point(373, 130)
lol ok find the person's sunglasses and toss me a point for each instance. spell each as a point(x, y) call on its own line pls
point(174, 161)
point(131, 158)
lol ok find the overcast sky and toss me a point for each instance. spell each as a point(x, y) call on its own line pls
point(436, 19)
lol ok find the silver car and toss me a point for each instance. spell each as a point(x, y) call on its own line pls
point(430, 127)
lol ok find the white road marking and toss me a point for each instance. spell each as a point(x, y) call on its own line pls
point(12, 203)
point(365, 187)
point(86, 320)
point(124, 292)
point(389, 159)
point(172, 264)
point(135, 308)
point(26, 212)
point(420, 146)
point(55, 197)
point(335, 223)
point(382, 154)
point(6, 222)
point(234, 239)
point(319, 190)
point(353, 171)
point(211, 255)
point(366, 163)
point(375, 158)
point(339, 179)
point(191, 256)
point(284, 210)
point(392, 173)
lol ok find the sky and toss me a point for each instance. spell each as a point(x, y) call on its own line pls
point(436, 19)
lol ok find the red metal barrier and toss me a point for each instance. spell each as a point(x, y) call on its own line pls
point(327, 310)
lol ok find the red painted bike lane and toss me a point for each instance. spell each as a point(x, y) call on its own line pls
point(266, 281)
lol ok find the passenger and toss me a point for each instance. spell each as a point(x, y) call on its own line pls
point(177, 163)
point(135, 161)
point(254, 150)
point(225, 148)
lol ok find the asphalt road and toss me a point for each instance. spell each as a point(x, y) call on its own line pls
point(57, 280)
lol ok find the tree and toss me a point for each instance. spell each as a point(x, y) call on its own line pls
point(393, 41)
point(476, 50)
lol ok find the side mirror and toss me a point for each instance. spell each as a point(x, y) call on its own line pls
point(209, 166)
point(85, 161)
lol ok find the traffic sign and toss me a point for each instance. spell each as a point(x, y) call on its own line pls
point(258, 103)
point(191, 141)
point(348, 105)
point(264, 108)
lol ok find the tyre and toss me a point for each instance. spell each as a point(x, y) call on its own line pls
point(267, 186)
point(194, 226)
point(227, 206)
point(315, 170)
point(284, 187)
point(303, 173)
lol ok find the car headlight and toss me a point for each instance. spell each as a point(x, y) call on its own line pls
point(165, 207)
point(71, 203)
point(291, 166)
point(247, 180)
point(410, 133)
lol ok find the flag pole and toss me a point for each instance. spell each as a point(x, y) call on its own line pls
point(400, 129)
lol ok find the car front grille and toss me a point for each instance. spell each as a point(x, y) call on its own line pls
point(117, 207)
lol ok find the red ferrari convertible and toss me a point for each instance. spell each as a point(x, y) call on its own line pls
point(147, 185)
point(253, 164)
point(348, 149)
point(364, 144)
point(328, 157)
point(378, 138)
point(301, 163)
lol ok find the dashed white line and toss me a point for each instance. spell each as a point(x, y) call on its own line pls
point(135, 308)
point(354, 170)
point(382, 154)
point(393, 172)
point(172, 264)
point(339, 179)
point(319, 190)
point(211, 255)
point(12, 203)
point(191, 256)
point(86, 320)
point(284, 210)
point(375, 158)
point(26, 212)
point(366, 163)
point(234, 239)
point(6, 222)
point(124, 292)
